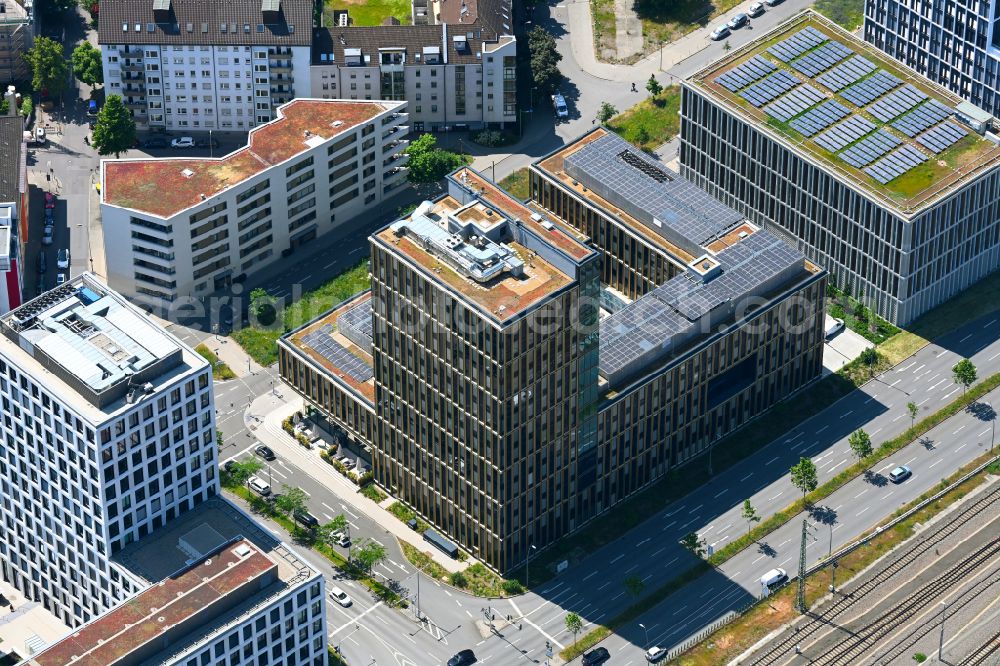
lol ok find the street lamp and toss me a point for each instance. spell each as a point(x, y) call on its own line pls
point(944, 611)
point(646, 631)
point(527, 567)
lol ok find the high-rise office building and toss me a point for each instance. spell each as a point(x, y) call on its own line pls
point(877, 174)
point(955, 43)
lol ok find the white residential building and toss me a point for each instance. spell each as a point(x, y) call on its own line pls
point(188, 227)
point(195, 65)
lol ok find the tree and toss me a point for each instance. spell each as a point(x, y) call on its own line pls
point(370, 555)
point(544, 59)
point(653, 86)
point(870, 358)
point(48, 66)
point(114, 131)
point(423, 144)
point(642, 136)
point(606, 112)
point(87, 64)
point(241, 470)
point(860, 443)
point(433, 166)
point(52, 8)
point(291, 501)
point(804, 476)
point(694, 543)
point(573, 624)
point(328, 532)
point(634, 586)
point(750, 514)
point(911, 407)
point(262, 306)
point(964, 373)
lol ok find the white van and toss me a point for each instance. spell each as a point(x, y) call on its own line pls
point(833, 326)
point(773, 577)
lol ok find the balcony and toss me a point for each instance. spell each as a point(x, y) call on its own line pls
point(399, 159)
point(392, 145)
point(131, 53)
point(135, 103)
point(279, 65)
point(281, 79)
point(132, 67)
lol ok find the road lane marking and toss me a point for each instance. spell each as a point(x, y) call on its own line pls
point(965, 338)
point(355, 619)
point(897, 418)
point(874, 432)
point(861, 512)
point(776, 496)
point(847, 413)
point(918, 369)
point(617, 558)
point(747, 477)
point(659, 551)
point(887, 495)
point(774, 459)
point(696, 509)
point(822, 429)
point(935, 463)
point(547, 636)
point(990, 323)
point(590, 575)
point(680, 609)
point(959, 429)
point(668, 525)
point(724, 491)
point(603, 586)
point(642, 542)
point(861, 493)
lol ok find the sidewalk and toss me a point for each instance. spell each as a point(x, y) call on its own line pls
point(230, 353)
point(268, 430)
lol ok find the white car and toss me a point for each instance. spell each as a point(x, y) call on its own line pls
point(182, 142)
point(833, 326)
point(559, 104)
point(60, 279)
point(62, 258)
point(655, 654)
point(773, 577)
point(756, 9)
point(259, 486)
point(341, 539)
point(340, 596)
point(47, 236)
point(720, 32)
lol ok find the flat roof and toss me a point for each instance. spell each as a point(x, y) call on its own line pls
point(99, 345)
point(871, 121)
point(167, 186)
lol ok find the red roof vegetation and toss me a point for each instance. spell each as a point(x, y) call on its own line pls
point(165, 187)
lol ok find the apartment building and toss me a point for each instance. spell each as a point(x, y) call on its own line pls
point(454, 76)
point(182, 227)
point(192, 65)
point(509, 396)
point(955, 43)
point(17, 36)
point(13, 201)
point(877, 174)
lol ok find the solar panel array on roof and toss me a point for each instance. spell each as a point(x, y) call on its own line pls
point(845, 133)
point(817, 119)
point(797, 44)
point(870, 148)
point(740, 77)
point(795, 102)
point(895, 164)
point(765, 90)
point(821, 59)
point(846, 73)
point(338, 355)
point(870, 89)
point(922, 117)
point(941, 137)
point(355, 323)
point(896, 103)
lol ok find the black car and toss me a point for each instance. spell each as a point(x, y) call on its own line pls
point(595, 657)
point(155, 142)
point(229, 466)
point(265, 452)
point(307, 519)
point(463, 658)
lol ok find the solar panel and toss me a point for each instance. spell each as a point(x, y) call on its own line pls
point(797, 44)
point(846, 73)
point(938, 139)
point(896, 103)
point(845, 133)
point(870, 148)
point(795, 102)
point(821, 59)
point(740, 77)
point(338, 355)
point(868, 90)
point(766, 89)
point(922, 117)
point(355, 323)
point(817, 119)
point(895, 164)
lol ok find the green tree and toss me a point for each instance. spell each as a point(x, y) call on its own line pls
point(964, 373)
point(544, 59)
point(114, 131)
point(694, 543)
point(860, 443)
point(573, 625)
point(87, 64)
point(750, 514)
point(912, 408)
point(634, 586)
point(653, 86)
point(870, 358)
point(642, 136)
point(241, 470)
point(328, 532)
point(423, 144)
point(433, 166)
point(370, 555)
point(291, 501)
point(606, 112)
point(27, 106)
point(220, 441)
point(48, 66)
point(804, 476)
point(262, 306)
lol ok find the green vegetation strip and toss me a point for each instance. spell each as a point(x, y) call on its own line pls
point(517, 183)
point(220, 370)
point(652, 122)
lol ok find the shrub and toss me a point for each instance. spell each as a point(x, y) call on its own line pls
point(512, 586)
point(366, 478)
point(458, 579)
point(324, 455)
point(491, 138)
point(372, 492)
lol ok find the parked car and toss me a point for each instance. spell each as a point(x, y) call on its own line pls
point(47, 235)
point(773, 578)
point(42, 264)
point(182, 142)
point(738, 21)
point(155, 142)
point(756, 9)
point(265, 452)
point(50, 200)
point(773, 3)
point(341, 539)
point(62, 258)
point(40, 135)
point(900, 474)
point(720, 32)
point(50, 217)
point(259, 486)
point(655, 654)
point(559, 104)
point(595, 657)
point(60, 279)
point(207, 143)
point(229, 466)
point(463, 658)
point(340, 596)
point(833, 326)
point(92, 108)
point(306, 519)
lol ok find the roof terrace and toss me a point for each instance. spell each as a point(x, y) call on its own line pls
point(898, 137)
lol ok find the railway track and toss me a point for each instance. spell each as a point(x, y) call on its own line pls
point(978, 656)
point(941, 530)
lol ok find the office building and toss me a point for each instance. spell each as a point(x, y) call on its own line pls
point(108, 433)
point(17, 36)
point(954, 43)
point(188, 227)
point(509, 396)
point(877, 174)
point(13, 202)
point(188, 65)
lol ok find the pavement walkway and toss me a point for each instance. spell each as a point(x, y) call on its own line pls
point(268, 430)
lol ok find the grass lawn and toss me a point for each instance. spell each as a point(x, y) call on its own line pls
point(262, 342)
point(849, 14)
point(369, 12)
point(220, 371)
point(858, 318)
point(517, 183)
point(652, 122)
